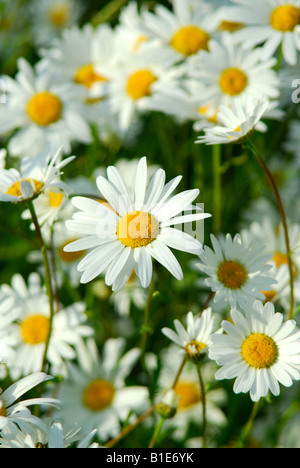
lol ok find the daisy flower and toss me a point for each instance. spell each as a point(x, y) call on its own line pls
point(130, 232)
point(229, 71)
point(12, 414)
point(31, 328)
point(94, 395)
point(237, 271)
point(196, 337)
point(36, 176)
point(273, 22)
point(259, 349)
point(236, 123)
point(40, 110)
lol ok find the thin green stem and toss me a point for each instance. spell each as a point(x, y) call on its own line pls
point(248, 427)
point(204, 405)
point(48, 278)
point(146, 330)
point(217, 189)
point(283, 220)
point(108, 12)
point(156, 432)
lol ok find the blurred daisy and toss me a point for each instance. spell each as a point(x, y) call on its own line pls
point(228, 72)
point(14, 415)
point(273, 22)
point(37, 175)
point(94, 395)
point(131, 295)
point(3, 154)
point(41, 110)
point(237, 271)
point(236, 123)
point(196, 338)
point(48, 435)
point(31, 328)
point(129, 233)
point(50, 17)
point(259, 349)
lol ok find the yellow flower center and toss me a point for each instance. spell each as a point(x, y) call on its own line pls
point(137, 229)
point(194, 348)
point(230, 26)
point(44, 108)
point(2, 409)
point(285, 18)
point(259, 351)
point(59, 15)
point(233, 81)
point(15, 189)
point(87, 76)
point(270, 295)
point(232, 274)
point(55, 198)
point(98, 395)
point(139, 84)
point(69, 257)
point(211, 117)
point(188, 40)
point(280, 259)
point(189, 394)
point(35, 329)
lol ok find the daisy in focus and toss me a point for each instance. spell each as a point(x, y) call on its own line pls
point(94, 394)
point(237, 271)
point(15, 415)
point(129, 233)
point(36, 176)
point(196, 338)
point(237, 123)
point(258, 349)
point(31, 328)
point(40, 110)
point(275, 23)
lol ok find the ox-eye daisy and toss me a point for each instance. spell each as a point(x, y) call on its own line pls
point(258, 349)
point(36, 176)
point(39, 110)
point(272, 22)
point(130, 232)
point(236, 271)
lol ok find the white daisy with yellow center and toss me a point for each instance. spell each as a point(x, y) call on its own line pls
point(237, 271)
point(30, 328)
point(39, 175)
point(94, 394)
point(273, 23)
point(259, 349)
point(136, 230)
point(41, 110)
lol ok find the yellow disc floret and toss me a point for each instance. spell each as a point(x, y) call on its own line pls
point(15, 189)
point(285, 18)
point(233, 81)
point(189, 394)
point(137, 229)
point(232, 274)
point(44, 108)
point(259, 351)
point(139, 84)
point(98, 395)
point(87, 76)
point(188, 40)
point(35, 329)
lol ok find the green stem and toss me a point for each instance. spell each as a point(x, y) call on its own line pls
point(146, 327)
point(217, 189)
point(203, 398)
point(156, 432)
point(108, 12)
point(248, 427)
point(283, 220)
point(47, 277)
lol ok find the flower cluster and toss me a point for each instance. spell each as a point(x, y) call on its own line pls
point(149, 185)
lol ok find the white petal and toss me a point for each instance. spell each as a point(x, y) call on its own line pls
point(163, 255)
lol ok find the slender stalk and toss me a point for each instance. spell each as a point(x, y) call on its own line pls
point(146, 328)
point(47, 276)
point(156, 432)
point(108, 12)
point(217, 189)
point(203, 397)
point(284, 223)
point(248, 427)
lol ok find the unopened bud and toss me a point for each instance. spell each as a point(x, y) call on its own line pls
point(167, 406)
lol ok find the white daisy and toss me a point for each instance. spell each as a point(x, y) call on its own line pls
point(272, 22)
point(94, 395)
point(196, 337)
point(236, 123)
point(31, 328)
point(237, 271)
point(36, 175)
point(259, 349)
point(41, 110)
point(12, 414)
point(129, 233)
point(227, 71)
